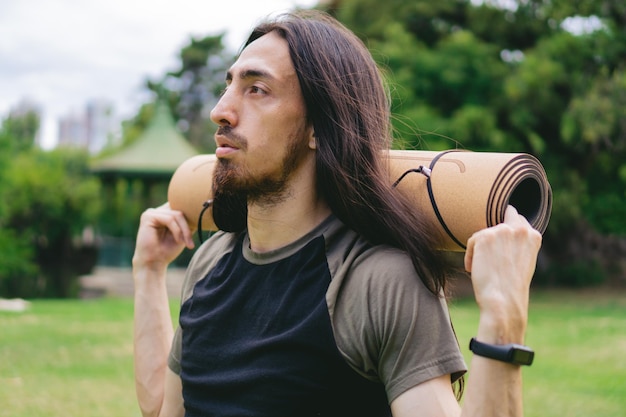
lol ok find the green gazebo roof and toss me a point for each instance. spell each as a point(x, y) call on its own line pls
point(157, 152)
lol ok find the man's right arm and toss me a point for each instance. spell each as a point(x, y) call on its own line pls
point(162, 235)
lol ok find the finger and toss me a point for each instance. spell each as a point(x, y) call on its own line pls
point(173, 221)
point(511, 216)
point(184, 229)
point(469, 254)
point(178, 226)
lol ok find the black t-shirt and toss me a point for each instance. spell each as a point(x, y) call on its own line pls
point(317, 327)
point(257, 341)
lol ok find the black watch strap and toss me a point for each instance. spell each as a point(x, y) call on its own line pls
point(511, 353)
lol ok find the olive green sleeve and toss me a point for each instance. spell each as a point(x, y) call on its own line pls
point(389, 326)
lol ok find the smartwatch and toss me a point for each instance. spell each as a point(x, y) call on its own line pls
point(511, 353)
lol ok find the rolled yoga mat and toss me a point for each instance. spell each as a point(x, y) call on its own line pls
point(460, 191)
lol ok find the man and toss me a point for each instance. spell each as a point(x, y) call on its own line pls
point(324, 294)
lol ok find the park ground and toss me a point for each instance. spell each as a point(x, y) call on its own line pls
point(75, 357)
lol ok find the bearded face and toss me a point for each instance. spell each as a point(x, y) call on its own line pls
point(264, 134)
point(235, 186)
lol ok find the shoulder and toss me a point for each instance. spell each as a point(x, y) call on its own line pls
point(379, 306)
point(368, 272)
point(205, 258)
point(380, 284)
point(219, 241)
point(348, 252)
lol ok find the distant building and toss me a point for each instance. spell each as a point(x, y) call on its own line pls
point(73, 131)
point(93, 129)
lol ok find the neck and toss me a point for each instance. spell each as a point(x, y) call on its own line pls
point(277, 222)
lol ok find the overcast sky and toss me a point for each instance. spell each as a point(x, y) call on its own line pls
point(62, 53)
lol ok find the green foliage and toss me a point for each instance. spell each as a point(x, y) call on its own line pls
point(16, 263)
point(46, 201)
point(607, 212)
point(486, 76)
point(511, 79)
point(193, 89)
point(579, 273)
point(191, 92)
point(18, 132)
point(50, 195)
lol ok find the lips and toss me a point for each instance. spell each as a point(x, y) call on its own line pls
point(224, 151)
point(226, 138)
point(228, 141)
point(224, 141)
point(225, 145)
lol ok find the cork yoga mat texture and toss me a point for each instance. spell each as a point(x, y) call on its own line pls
point(464, 192)
point(460, 191)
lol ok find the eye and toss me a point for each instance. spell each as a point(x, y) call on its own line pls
point(255, 89)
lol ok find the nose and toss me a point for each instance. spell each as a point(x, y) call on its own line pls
point(224, 113)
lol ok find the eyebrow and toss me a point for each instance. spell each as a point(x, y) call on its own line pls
point(250, 73)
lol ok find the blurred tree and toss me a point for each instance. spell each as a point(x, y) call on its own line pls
point(193, 89)
point(536, 76)
point(191, 92)
point(16, 254)
point(19, 131)
point(47, 200)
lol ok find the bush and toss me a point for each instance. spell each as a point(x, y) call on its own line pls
point(578, 274)
point(48, 199)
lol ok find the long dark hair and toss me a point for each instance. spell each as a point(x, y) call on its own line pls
point(348, 106)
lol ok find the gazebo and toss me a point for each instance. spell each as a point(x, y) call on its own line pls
point(154, 156)
point(147, 164)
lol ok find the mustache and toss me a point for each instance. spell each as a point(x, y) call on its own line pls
point(233, 137)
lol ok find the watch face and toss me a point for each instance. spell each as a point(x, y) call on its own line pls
point(523, 356)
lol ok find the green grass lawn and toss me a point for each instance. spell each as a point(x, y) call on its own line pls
point(579, 340)
point(74, 358)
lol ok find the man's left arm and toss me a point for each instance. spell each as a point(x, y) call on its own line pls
point(502, 261)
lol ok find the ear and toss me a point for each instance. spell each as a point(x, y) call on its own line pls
point(312, 139)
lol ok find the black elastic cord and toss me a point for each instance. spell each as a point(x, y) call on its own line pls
point(205, 206)
point(420, 170)
point(427, 172)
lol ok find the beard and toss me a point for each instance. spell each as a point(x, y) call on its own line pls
point(230, 210)
point(234, 187)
